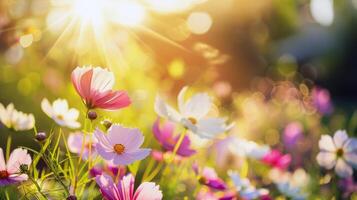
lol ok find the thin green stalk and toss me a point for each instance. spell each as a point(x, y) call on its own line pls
point(148, 168)
point(37, 186)
point(90, 145)
point(8, 146)
point(54, 171)
point(7, 195)
point(177, 146)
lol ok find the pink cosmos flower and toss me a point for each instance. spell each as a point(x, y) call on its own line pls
point(121, 146)
point(162, 156)
point(75, 144)
point(276, 159)
point(164, 134)
point(10, 172)
point(348, 186)
point(292, 133)
point(205, 194)
point(124, 189)
point(322, 100)
point(209, 177)
point(95, 85)
point(108, 168)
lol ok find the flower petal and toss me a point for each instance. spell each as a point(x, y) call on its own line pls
point(326, 159)
point(126, 187)
point(343, 169)
point(181, 99)
point(75, 142)
point(111, 100)
point(209, 128)
point(47, 107)
point(131, 138)
point(351, 158)
point(76, 76)
point(85, 84)
point(18, 157)
point(60, 106)
point(107, 187)
point(148, 191)
point(128, 158)
point(2, 160)
point(197, 106)
point(340, 138)
point(103, 79)
point(164, 132)
point(350, 145)
point(104, 152)
point(166, 111)
point(326, 143)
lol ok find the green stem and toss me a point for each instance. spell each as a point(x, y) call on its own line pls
point(56, 175)
point(8, 146)
point(7, 194)
point(37, 186)
point(90, 145)
point(176, 148)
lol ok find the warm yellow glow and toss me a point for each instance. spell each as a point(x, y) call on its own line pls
point(176, 68)
point(26, 40)
point(90, 11)
point(199, 22)
point(170, 6)
point(90, 26)
point(127, 13)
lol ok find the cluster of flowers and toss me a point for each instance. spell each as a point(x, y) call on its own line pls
point(118, 146)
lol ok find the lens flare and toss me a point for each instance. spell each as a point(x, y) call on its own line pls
point(322, 11)
point(127, 13)
point(199, 22)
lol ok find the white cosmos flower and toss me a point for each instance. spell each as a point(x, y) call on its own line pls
point(60, 113)
point(16, 120)
point(338, 152)
point(245, 188)
point(292, 185)
point(291, 191)
point(246, 148)
point(192, 114)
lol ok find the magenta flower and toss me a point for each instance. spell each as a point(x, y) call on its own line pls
point(121, 146)
point(209, 177)
point(210, 195)
point(164, 134)
point(292, 133)
point(348, 186)
point(162, 156)
point(322, 100)
point(10, 172)
point(276, 159)
point(75, 144)
point(108, 168)
point(95, 85)
point(124, 189)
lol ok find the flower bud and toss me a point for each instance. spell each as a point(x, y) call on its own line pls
point(24, 168)
point(92, 115)
point(41, 136)
point(71, 197)
point(107, 123)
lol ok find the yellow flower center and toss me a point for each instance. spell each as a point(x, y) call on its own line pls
point(202, 180)
point(119, 148)
point(192, 120)
point(4, 174)
point(60, 117)
point(339, 152)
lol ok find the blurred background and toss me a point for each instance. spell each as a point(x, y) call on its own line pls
point(228, 47)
